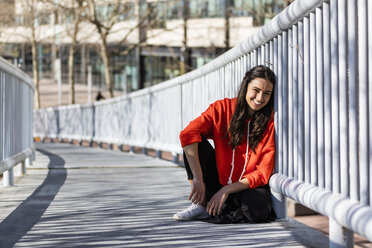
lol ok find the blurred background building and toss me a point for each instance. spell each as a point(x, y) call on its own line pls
point(139, 43)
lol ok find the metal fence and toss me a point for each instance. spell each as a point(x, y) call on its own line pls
point(320, 52)
point(16, 119)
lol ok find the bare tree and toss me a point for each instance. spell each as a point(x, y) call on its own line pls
point(104, 15)
point(31, 11)
point(185, 63)
point(75, 11)
point(7, 14)
point(108, 19)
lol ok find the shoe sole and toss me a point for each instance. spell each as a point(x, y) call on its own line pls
point(198, 217)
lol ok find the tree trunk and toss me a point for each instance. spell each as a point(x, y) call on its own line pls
point(71, 72)
point(185, 56)
point(71, 56)
point(107, 67)
point(35, 68)
point(228, 11)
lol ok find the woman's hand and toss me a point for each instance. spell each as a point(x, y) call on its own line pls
point(214, 206)
point(197, 194)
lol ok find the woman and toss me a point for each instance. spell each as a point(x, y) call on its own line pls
point(230, 184)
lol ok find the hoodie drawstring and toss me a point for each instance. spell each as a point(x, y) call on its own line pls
point(246, 159)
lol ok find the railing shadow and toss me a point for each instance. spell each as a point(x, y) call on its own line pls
point(30, 211)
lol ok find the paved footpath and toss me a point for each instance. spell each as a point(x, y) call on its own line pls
point(89, 197)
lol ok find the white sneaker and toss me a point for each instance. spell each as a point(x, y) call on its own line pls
point(193, 212)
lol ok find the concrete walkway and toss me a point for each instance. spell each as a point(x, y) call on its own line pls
point(89, 197)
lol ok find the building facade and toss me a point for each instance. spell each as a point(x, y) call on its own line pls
point(149, 42)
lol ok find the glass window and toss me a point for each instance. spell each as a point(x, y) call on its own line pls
point(19, 20)
point(160, 69)
point(260, 10)
point(124, 11)
point(42, 19)
point(198, 8)
point(68, 18)
point(216, 8)
point(174, 9)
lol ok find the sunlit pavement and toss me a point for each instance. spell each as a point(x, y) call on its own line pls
point(89, 197)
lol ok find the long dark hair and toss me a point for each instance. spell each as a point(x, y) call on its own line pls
point(260, 118)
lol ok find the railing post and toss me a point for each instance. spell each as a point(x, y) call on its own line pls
point(8, 177)
point(33, 157)
point(23, 167)
point(279, 202)
point(131, 149)
point(18, 169)
point(158, 154)
point(339, 236)
point(28, 162)
point(175, 158)
point(144, 151)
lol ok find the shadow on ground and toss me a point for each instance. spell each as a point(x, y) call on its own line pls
point(29, 212)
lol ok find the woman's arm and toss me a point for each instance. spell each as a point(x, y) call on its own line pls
point(197, 194)
point(216, 202)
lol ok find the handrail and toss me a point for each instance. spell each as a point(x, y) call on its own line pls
point(321, 57)
point(16, 72)
point(16, 119)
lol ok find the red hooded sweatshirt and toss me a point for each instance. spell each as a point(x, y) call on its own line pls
point(213, 124)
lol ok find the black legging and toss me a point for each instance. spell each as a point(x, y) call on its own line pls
point(208, 165)
point(256, 202)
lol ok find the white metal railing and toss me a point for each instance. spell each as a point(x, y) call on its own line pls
point(16, 119)
point(324, 152)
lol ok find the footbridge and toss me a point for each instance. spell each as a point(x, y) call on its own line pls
point(84, 196)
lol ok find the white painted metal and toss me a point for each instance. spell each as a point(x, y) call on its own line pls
point(339, 240)
point(353, 101)
point(369, 8)
point(327, 99)
point(306, 92)
point(300, 98)
point(319, 146)
point(279, 124)
point(342, 56)
point(363, 102)
point(284, 92)
point(16, 105)
point(335, 99)
point(313, 102)
point(343, 210)
point(294, 121)
point(290, 103)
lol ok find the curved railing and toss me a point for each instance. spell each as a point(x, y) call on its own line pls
point(324, 152)
point(16, 121)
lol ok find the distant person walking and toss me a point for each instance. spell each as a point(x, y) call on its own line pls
point(99, 96)
point(229, 184)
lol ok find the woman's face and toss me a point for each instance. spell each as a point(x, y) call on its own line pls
point(258, 94)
